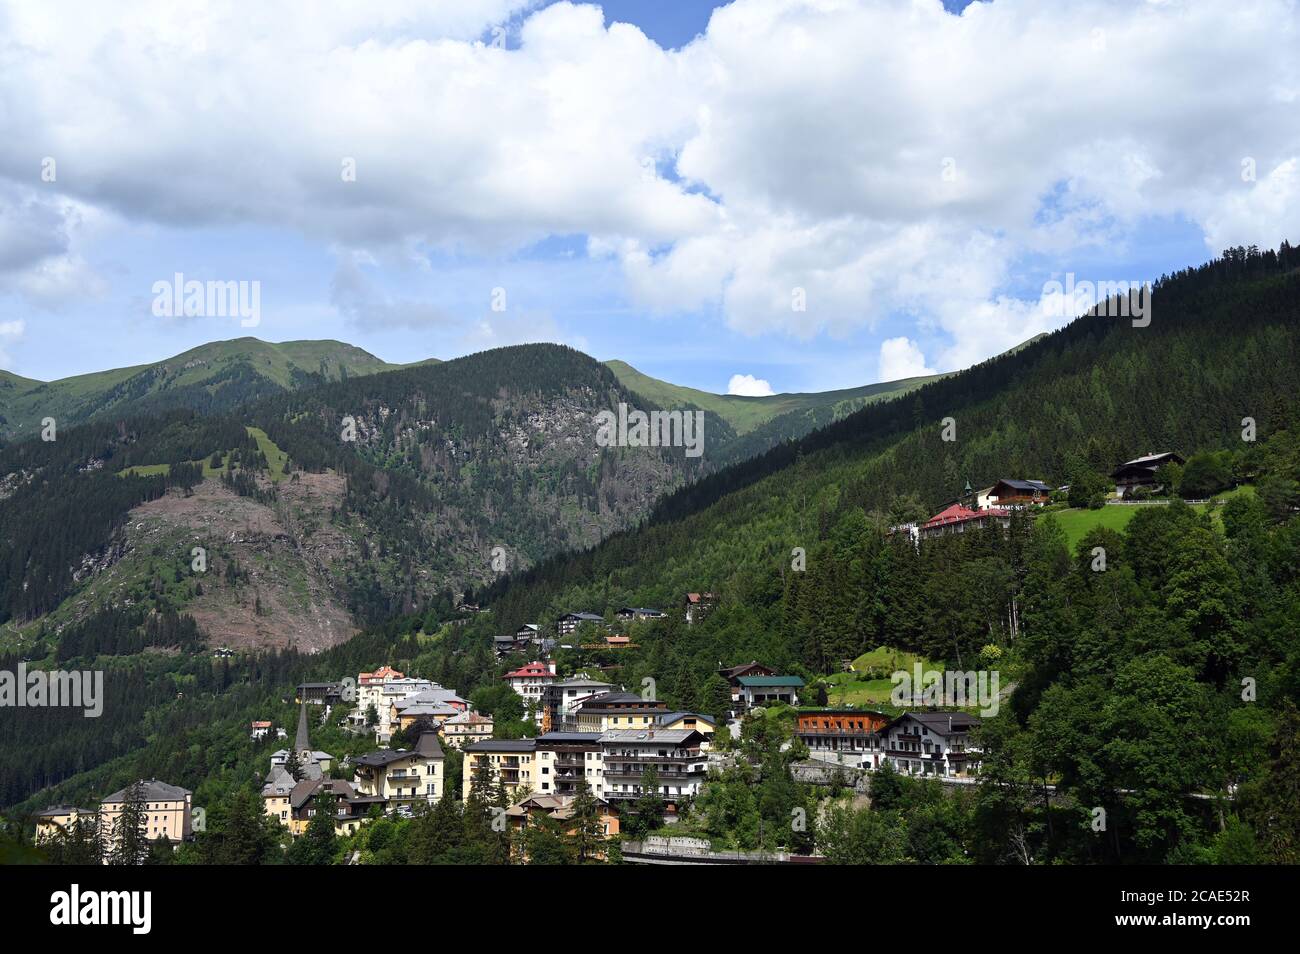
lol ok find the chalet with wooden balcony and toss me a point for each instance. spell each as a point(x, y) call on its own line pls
point(844, 736)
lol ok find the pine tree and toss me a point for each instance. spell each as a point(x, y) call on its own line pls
point(586, 836)
point(131, 829)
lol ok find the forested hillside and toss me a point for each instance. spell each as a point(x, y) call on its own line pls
point(1157, 686)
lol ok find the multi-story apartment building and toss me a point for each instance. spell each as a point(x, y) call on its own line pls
point(675, 754)
point(618, 710)
point(402, 775)
point(370, 687)
point(58, 819)
point(569, 622)
point(167, 811)
point(560, 701)
point(931, 743)
point(530, 681)
point(845, 736)
point(510, 761)
point(564, 757)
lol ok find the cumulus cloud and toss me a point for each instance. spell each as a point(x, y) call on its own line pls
point(11, 332)
point(805, 166)
point(901, 358)
point(746, 385)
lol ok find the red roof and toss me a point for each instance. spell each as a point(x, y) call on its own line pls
point(379, 675)
point(532, 669)
point(958, 513)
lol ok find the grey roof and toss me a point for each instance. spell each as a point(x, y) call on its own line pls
point(593, 617)
point(569, 737)
point(502, 745)
point(154, 791)
point(1024, 484)
point(651, 736)
point(941, 723)
point(665, 717)
point(64, 810)
point(426, 747)
point(301, 741)
point(611, 697)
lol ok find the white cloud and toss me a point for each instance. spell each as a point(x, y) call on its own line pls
point(11, 332)
point(746, 385)
point(809, 142)
point(901, 358)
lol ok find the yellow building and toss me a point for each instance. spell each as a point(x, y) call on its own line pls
point(511, 761)
point(690, 721)
point(466, 728)
point(58, 819)
point(403, 775)
point(617, 711)
point(167, 811)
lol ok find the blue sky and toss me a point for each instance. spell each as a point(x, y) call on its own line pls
point(914, 174)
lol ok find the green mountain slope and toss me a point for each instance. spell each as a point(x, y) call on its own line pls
point(211, 378)
point(1225, 345)
point(745, 414)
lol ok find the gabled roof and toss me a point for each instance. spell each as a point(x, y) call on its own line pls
point(641, 611)
point(531, 670)
point(581, 682)
point(1031, 485)
point(941, 723)
point(468, 718)
point(700, 597)
point(734, 671)
point(667, 718)
point(426, 747)
point(585, 617)
point(766, 682)
point(959, 513)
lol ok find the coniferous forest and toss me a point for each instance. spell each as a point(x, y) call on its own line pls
point(1151, 670)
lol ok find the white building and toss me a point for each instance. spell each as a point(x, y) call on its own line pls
point(929, 743)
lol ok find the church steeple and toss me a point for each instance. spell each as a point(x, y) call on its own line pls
point(301, 742)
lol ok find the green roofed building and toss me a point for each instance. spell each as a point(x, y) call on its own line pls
point(760, 690)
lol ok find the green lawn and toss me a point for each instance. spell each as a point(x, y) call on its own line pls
point(1076, 523)
point(854, 689)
